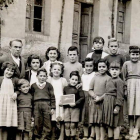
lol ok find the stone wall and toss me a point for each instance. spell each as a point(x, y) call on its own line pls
point(14, 25)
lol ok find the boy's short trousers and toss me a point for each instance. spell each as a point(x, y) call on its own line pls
point(24, 120)
point(71, 114)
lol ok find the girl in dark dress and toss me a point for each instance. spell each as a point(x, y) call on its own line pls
point(97, 91)
point(113, 102)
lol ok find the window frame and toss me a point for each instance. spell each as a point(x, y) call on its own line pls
point(31, 21)
point(123, 22)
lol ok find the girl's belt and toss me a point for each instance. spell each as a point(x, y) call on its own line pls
point(112, 94)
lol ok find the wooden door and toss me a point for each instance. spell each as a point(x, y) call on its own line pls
point(76, 24)
point(85, 30)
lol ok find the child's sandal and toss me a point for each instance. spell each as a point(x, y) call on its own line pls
point(85, 138)
point(127, 137)
point(135, 137)
point(91, 138)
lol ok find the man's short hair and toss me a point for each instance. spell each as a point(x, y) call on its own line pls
point(18, 40)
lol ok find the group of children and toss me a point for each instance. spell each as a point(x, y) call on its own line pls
point(99, 89)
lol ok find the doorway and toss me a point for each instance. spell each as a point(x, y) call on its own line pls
point(82, 28)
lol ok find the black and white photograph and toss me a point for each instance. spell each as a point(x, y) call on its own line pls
point(69, 69)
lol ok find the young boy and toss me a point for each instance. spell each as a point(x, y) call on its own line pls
point(44, 105)
point(24, 104)
point(113, 46)
point(72, 111)
point(97, 51)
point(72, 64)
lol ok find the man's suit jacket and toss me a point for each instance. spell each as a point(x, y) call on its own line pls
point(28, 75)
point(8, 57)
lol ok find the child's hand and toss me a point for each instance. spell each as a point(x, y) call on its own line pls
point(32, 124)
point(125, 94)
point(79, 85)
point(59, 118)
point(14, 97)
point(97, 99)
point(60, 104)
point(32, 119)
point(52, 111)
point(116, 110)
point(72, 105)
point(94, 96)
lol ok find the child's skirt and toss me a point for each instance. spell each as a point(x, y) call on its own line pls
point(85, 110)
point(8, 111)
point(133, 97)
point(95, 112)
point(108, 116)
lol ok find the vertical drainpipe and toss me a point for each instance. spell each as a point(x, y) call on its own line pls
point(0, 26)
point(61, 24)
point(112, 19)
point(0, 31)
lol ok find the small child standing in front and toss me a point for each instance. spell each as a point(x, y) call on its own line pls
point(8, 104)
point(114, 55)
point(72, 64)
point(97, 51)
point(34, 63)
point(24, 104)
point(72, 111)
point(52, 55)
point(113, 102)
point(44, 105)
point(58, 82)
point(97, 92)
point(131, 75)
point(86, 78)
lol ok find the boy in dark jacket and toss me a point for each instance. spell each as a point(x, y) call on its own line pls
point(44, 104)
point(72, 111)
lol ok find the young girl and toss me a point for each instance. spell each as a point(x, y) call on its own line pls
point(8, 104)
point(34, 63)
point(44, 105)
point(72, 111)
point(58, 83)
point(131, 75)
point(97, 51)
point(113, 102)
point(86, 80)
point(52, 55)
point(98, 86)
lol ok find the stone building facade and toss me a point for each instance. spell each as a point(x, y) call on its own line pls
point(61, 23)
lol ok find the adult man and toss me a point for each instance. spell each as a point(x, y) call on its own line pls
point(15, 47)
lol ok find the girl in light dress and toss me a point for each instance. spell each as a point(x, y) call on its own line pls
point(8, 104)
point(52, 55)
point(58, 83)
point(86, 80)
point(131, 76)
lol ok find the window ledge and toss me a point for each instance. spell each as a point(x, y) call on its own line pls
point(36, 36)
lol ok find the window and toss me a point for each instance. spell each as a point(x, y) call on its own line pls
point(34, 16)
point(121, 20)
